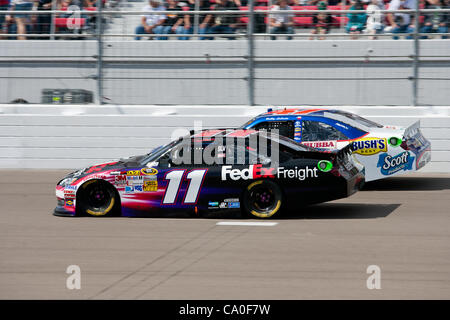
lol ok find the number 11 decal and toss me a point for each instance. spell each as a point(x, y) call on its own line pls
point(175, 178)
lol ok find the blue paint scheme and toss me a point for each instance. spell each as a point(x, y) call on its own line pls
point(349, 131)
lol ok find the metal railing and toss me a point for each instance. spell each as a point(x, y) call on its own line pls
point(245, 31)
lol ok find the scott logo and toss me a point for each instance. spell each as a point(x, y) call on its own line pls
point(390, 165)
point(254, 171)
point(369, 146)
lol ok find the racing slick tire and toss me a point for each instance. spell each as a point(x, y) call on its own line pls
point(262, 199)
point(97, 198)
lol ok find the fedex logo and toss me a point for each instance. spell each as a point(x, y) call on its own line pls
point(254, 171)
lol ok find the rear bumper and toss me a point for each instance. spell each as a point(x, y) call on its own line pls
point(355, 183)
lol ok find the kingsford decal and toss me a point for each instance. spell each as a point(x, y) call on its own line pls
point(257, 171)
point(369, 146)
point(392, 164)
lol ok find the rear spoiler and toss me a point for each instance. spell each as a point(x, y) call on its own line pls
point(412, 129)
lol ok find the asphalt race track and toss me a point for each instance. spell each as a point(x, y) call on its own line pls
point(400, 224)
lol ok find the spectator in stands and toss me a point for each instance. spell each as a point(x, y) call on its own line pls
point(401, 22)
point(4, 5)
point(152, 23)
point(22, 20)
point(44, 20)
point(356, 21)
point(375, 18)
point(435, 22)
point(173, 23)
point(321, 21)
point(90, 3)
point(240, 3)
point(281, 23)
point(204, 20)
point(224, 24)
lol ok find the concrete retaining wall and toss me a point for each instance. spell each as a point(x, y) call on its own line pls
point(328, 72)
point(72, 137)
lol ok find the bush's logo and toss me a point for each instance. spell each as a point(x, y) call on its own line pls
point(392, 164)
point(149, 171)
point(369, 146)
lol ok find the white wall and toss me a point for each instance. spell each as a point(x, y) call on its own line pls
point(41, 136)
point(338, 72)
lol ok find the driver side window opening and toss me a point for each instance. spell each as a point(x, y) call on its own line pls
point(320, 131)
point(229, 151)
point(285, 128)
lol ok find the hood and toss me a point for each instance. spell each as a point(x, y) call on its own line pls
point(120, 164)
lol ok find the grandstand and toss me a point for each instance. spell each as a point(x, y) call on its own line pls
point(304, 18)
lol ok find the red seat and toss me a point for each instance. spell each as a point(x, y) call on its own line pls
point(337, 21)
point(244, 19)
point(334, 8)
point(303, 21)
point(304, 7)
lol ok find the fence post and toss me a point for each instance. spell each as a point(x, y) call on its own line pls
point(415, 79)
point(52, 22)
point(250, 54)
point(99, 26)
point(196, 17)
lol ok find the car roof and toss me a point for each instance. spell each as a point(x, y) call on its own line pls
point(297, 113)
point(293, 111)
point(210, 135)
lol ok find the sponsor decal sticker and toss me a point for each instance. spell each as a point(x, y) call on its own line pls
point(254, 171)
point(69, 203)
point(134, 180)
point(150, 185)
point(120, 180)
point(234, 205)
point(369, 146)
point(133, 173)
point(321, 144)
point(423, 159)
point(392, 164)
point(257, 171)
point(300, 174)
point(223, 205)
point(149, 171)
point(213, 204)
point(341, 125)
point(69, 192)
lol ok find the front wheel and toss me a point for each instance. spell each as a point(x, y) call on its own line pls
point(97, 198)
point(262, 199)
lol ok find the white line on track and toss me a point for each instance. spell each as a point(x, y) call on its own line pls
point(254, 224)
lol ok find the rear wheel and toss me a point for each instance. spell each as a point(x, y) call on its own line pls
point(97, 198)
point(262, 199)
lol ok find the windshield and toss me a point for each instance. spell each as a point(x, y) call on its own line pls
point(248, 123)
point(156, 153)
point(360, 120)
